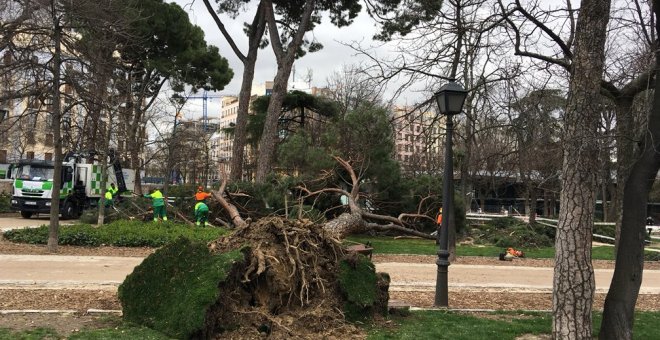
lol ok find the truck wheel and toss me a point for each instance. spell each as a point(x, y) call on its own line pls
point(68, 210)
point(26, 214)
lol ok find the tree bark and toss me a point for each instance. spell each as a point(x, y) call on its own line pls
point(619, 310)
point(285, 59)
point(238, 152)
point(573, 283)
point(53, 229)
point(624, 153)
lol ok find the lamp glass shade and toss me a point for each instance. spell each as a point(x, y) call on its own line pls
point(450, 98)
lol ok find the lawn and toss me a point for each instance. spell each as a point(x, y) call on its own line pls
point(499, 325)
point(429, 324)
point(418, 246)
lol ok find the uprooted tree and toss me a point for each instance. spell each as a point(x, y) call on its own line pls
point(357, 219)
point(276, 277)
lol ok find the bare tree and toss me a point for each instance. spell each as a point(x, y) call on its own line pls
point(619, 311)
point(573, 284)
point(255, 33)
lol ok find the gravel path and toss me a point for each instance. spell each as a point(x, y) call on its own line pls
point(84, 299)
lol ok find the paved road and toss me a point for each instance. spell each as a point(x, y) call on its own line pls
point(7, 223)
point(98, 272)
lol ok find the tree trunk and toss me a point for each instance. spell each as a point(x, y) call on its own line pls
point(53, 229)
point(285, 58)
point(573, 283)
point(624, 153)
point(619, 310)
point(269, 139)
point(532, 203)
point(344, 225)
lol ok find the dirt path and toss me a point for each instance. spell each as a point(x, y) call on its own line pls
point(95, 272)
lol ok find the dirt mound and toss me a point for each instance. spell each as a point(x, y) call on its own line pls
point(288, 286)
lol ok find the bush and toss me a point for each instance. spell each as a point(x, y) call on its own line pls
point(511, 232)
point(5, 203)
point(605, 229)
point(651, 256)
point(172, 289)
point(120, 233)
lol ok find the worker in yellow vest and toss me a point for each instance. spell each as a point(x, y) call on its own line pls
point(158, 203)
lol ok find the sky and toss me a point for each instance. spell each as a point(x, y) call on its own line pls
point(322, 63)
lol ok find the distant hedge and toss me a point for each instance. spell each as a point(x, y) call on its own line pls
point(120, 233)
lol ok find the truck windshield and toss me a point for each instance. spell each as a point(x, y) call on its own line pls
point(35, 173)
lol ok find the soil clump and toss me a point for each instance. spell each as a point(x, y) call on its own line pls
point(287, 287)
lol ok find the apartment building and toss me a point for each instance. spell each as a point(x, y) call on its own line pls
point(224, 141)
point(417, 139)
point(26, 130)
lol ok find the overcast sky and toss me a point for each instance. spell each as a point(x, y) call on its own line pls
point(322, 63)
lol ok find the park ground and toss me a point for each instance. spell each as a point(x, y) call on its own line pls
point(77, 288)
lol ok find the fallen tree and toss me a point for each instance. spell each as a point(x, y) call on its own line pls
point(355, 220)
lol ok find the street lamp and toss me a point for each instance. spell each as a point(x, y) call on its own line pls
point(450, 98)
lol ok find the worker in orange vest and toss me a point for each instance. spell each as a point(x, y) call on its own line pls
point(440, 217)
point(201, 195)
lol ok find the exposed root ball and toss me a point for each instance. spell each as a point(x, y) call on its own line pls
point(288, 286)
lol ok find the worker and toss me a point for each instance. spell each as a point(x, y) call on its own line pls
point(201, 213)
point(200, 195)
point(108, 199)
point(439, 220)
point(113, 191)
point(158, 203)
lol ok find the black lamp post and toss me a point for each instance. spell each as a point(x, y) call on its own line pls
point(450, 98)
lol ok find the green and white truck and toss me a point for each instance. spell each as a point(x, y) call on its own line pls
point(32, 188)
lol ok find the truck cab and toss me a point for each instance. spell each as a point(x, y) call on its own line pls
point(33, 186)
point(80, 186)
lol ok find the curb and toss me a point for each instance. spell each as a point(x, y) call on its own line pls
point(59, 311)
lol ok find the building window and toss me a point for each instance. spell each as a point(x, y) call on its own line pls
point(48, 156)
point(3, 156)
point(49, 139)
point(30, 155)
point(30, 139)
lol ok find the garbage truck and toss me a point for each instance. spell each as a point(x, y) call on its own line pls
point(32, 187)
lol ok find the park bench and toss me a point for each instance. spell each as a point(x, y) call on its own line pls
point(361, 249)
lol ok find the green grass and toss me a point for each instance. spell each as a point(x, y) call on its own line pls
point(32, 334)
point(418, 246)
point(417, 325)
point(499, 325)
point(124, 332)
point(450, 325)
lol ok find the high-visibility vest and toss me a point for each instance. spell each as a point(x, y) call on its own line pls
point(200, 196)
point(157, 198)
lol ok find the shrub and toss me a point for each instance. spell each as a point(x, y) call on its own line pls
point(28, 235)
point(120, 233)
point(511, 232)
point(605, 229)
point(172, 289)
point(652, 256)
point(5, 203)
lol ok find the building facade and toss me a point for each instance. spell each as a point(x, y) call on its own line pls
point(418, 140)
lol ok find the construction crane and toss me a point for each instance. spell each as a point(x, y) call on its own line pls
point(205, 97)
